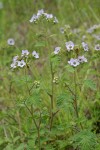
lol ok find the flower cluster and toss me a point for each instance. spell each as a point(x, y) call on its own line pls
point(40, 14)
point(70, 46)
point(97, 37)
point(20, 61)
point(55, 80)
point(36, 84)
point(75, 62)
point(94, 27)
point(15, 62)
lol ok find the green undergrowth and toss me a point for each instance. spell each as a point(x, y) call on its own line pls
point(49, 104)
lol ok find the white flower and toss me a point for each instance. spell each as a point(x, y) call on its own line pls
point(13, 65)
point(97, 37)
point(40, 12)
point(90, 30)
point(15, 58)
point(25, 53)
point(83, 37)
point(15, 61)
point(33, 18)
point(82, 59)
point(97, 47)
point(62, 30)
point(21, 63)
point(69, 45)
point(57, 49)
point(35, 54)
point(1, 5)
point(49, 16)
point(73, 62)
point(85, 46)
point(10, 41)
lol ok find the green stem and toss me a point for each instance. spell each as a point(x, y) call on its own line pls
point(75, 99)
point(37, 126)
point(52, 98)
point(31, 112)
point(75, 96)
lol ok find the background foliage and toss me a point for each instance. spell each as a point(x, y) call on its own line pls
point(69, 132)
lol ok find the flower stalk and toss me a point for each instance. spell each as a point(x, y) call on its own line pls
point(52, 97)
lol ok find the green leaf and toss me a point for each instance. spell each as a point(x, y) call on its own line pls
point(9, 147)
point(34, 99)
point(85, 140)
point(63, 98)
point(69, 68)
point(16, 139)
point(90, 84)
point(40, 44)
point(22, 146)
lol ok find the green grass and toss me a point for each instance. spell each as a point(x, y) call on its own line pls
point(49, 116)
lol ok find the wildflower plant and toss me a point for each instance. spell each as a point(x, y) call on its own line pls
point(50, 87)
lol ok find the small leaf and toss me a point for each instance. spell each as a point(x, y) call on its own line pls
point(90, 84)
point(69, 69)
point(22, 146)
point(40, 44)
